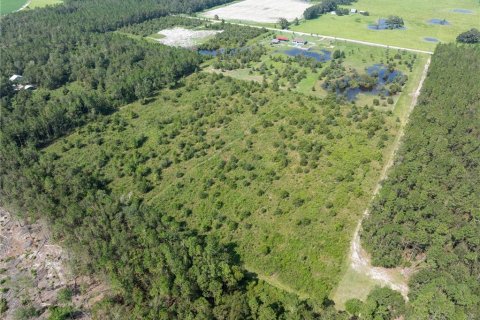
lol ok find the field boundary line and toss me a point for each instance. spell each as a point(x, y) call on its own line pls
point(317, 35)
point(358, 258)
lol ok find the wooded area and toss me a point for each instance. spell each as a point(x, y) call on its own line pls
point(162, 265)
point(428, 209)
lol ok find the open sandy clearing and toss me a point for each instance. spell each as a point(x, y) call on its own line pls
point(181, 37)
point(261, 10)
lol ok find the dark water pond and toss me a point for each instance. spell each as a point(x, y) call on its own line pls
point(323, 56)
point(384, 77)
point(429, 39)
point(441, 22)
point(211, 53)
point(382, 25)
point(464, 11)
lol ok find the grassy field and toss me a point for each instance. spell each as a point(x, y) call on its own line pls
point(43, 3)
point(358, 57)
point(281, 176)
point(416, 14)
point(7, 6)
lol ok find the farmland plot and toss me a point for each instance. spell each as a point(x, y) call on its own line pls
point(181, 37)
point(268, 11)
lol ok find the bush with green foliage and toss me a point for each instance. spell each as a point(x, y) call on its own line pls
point(394, 22)
point(470, 36)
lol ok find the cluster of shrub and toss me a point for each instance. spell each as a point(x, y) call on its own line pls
point(324, 7)
point(295, 70)
point(239, 58)
point(338, 79)
point(152, 26)
point(471, 36)
point(231, 37)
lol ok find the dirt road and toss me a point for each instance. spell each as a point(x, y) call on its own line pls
point(397, 278)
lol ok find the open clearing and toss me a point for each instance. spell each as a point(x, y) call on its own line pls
point(43, 3)
point(268, 11)
point(416, 14)
point(282, 175)
point(361, 276)
point(181, 37)
point(7, 6)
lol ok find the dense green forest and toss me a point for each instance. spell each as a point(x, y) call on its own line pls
point(185, 188)
point(428, 209)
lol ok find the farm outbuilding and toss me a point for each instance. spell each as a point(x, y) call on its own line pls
point(282, 38)
point(15, 77)
point(275, 41)
point(299, 41)
point(353, 11)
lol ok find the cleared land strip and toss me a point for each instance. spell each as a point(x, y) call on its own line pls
point(360, 266)
point(372, 44)
point(25, 6)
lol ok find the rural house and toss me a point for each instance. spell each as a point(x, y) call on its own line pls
point(275, 41)
point(282, 38)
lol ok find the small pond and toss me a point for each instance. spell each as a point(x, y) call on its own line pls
point(323, 56)
point(382, 25)
point(441, 22)
point(464, 11)
point(384, 77)
point(429, 39)
point(211, 53)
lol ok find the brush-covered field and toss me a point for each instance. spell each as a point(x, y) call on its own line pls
point(327, 67)
point(280, 176)
point(415, 13)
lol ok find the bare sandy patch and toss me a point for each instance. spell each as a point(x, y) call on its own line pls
point(35, 269)
point(181, 37)
point(268, 11)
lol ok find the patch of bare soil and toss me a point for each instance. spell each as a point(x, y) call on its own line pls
point(33, 270)
point(268, 11)
point(186, 38)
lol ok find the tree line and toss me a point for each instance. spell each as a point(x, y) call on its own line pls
point(324, 7)
point(427, 213)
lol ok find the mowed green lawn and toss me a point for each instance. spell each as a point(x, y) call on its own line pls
point(7, 6)
point(416, 14)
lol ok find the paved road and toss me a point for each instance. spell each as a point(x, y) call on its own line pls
point(372, 44)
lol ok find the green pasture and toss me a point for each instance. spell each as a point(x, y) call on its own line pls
point(7, 6)
point(416, 14)
point(281, 176)
point(43, 3)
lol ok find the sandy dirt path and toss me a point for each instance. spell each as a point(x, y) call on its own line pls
point(24, 6)
point(395, 278)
